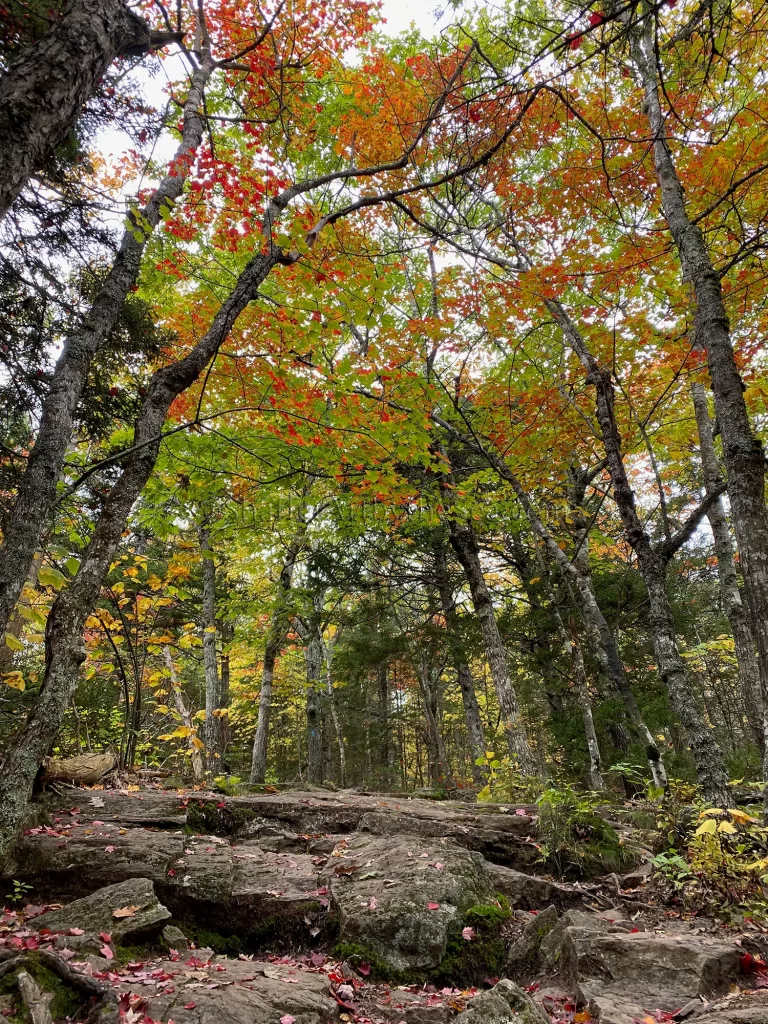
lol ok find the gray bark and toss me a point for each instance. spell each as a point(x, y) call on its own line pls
point(214, 745)
point(198, 770)
point(275, 639)
point(329, 646)
point(37, 489)
point(652, 563)
point(743, 453)
point(313, 658)
point(475, 732)
point(66, 620)
point(730, 595)
point(439, 765)
point(464, 543)
point(43, 92)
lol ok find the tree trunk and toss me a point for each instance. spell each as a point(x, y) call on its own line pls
point(331, 694)
point(66, 620)
point(18, 622)
point(196, 757)
point(652, 563)
point(439, 766)
point(475, 732)
point(742, 451)
point(464, 543)
point(744, 641)
point(385, 751)
point(37, 491)
point(213, 733)
point(313, 657)
point(272, 648)
point(43, 92)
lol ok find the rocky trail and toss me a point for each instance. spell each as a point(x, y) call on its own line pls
point(311, 908)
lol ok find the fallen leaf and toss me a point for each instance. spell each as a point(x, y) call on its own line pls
point(433, 906)
point(109, 849)
point(107, 953)
point(125, 912)
point(468, 933)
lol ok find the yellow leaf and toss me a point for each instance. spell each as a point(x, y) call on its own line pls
point(15, 680)
point(13, 642)
point(727, 827)
point(490, 753)
point(741, 816)
point(182, 732)
point(209, 629)
point(197, 744)
point(707, 827)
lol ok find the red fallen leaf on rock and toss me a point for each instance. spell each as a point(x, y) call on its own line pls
point(221, 803)
point(287, 1019)
point(433, 906)
point(75, 931)
point(171, 872)
point(174, 954)
point(107, 953)
point(364, 969)
point(105, 937)
point(318, 959)
point(189, 1006)
point(495, 981)
point(109, 849)
point(31, 943)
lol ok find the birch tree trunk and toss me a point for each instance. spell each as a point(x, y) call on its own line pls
point(275, 638)
point(475, 732)
point(464, 543)
point(196, 757)
point(43, 92)
point(329, 646)
point(214, 746)
point(313, 658)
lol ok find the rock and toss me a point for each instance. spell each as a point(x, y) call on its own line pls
point(77, 860)
point(148, 808)
point(398, 898)
point(270, 899)
point(524, 951)
point(746, 1008)
point(621, 976)
point(233, 992)
point(96, 913)
point(530, 892)
point(551, 946)
point(505, 1003)
point(174, 938)
point(637, 877)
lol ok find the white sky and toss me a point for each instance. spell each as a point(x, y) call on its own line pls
point(401, 13)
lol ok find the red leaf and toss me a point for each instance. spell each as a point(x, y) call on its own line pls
point(107, 953)
point(189, 1006)
point(596, 18)
point(364, 969)
point(433, 906)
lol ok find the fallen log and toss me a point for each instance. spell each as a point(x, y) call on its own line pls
point(83, 770)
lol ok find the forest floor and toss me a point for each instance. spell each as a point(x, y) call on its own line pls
point(312, 907)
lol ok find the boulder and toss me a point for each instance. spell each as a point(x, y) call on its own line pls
point(551, 946)
point(129, 911)
point(524, 951)
point(268, 898)
point(231, 992)
point(79, 859)
point(505, 1003)
point(399, 898)
point(529, 892)
point(745, 1008)
point(621, 976)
